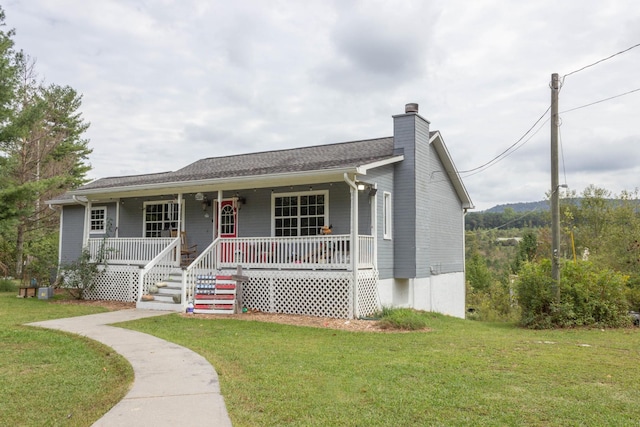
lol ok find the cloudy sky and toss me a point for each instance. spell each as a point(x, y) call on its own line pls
point(167, 82)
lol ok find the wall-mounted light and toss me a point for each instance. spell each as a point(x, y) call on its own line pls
point(363, 186)
point(205, 205)
point(199, 197)
point(239, 200)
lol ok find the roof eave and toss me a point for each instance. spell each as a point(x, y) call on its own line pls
point(452, 171)
point(234, 183)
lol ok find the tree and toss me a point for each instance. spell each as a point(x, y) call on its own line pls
point(42, 151)
point(593, 217)
point(527, 250)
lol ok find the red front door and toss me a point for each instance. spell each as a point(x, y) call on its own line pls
point(228, 228)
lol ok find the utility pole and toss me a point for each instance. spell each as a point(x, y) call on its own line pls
point(555, 187)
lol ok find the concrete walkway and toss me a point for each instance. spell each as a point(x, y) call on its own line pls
point(172, 385)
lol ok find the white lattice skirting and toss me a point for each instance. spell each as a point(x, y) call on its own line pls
point(117, 283)
point(311, 293)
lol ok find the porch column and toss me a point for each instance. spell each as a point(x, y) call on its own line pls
point(117, 230)
point(180, 207)
point(219, 215)
point(87, 224)
point(355, 255)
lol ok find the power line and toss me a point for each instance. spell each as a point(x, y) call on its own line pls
point(510, 150)
point(506, 153)
point(601, 60)
point(602, 100)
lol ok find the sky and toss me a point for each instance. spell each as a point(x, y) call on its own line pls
point(167, 82)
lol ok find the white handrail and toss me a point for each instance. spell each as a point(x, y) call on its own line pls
point(170, 253)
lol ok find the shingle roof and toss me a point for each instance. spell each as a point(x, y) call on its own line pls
point(305, 159)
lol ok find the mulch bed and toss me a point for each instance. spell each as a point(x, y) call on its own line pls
point(356, 325)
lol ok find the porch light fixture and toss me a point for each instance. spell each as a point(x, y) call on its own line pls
point(199, 197)
point(239, 200)
point(206, 204)
point(361, 186)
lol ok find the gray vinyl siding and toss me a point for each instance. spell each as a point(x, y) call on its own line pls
point(199, 228)
point(425, 177)
point(254, 218)
point(72, 229)
point(410, 196)
point(383, 177)
point(445, 218)
point(131, 217)
point(340, 208)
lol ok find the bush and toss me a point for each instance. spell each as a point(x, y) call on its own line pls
point(402, 318)
point(588, 296)
point(81, 275)
point(7, 285)
point(493, 304)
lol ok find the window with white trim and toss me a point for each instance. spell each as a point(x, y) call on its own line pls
point(299, 214)
point(98, 219)
point(159, 217)
point(387, 209)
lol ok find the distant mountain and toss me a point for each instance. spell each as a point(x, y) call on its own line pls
point(542, 205)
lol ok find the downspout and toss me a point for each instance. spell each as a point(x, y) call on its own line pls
point(355, 255)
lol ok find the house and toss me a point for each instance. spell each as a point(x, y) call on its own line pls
point(334, 230)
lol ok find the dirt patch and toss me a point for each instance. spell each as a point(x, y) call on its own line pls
point(299, 320)
point(356, 325)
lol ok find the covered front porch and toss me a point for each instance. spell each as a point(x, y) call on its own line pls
point(323, 275)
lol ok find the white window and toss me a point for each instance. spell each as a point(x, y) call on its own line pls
point(98, 219)
point(299, 214)
point(159, 217)
point(387, 209)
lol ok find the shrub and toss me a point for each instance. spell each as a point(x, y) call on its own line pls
point(534, 285)
point(588, 296)
point(80, 276)
point(493, 304)
point(402, 318)
point(7, 285)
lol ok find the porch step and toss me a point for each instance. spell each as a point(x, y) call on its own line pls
point(215, 295)
point(156, 305)
point(163, 299)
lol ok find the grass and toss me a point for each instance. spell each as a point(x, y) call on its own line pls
point(460, 373)
point(53, 378)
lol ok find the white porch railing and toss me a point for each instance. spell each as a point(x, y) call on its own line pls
point(332, 252)
point(160, 255)
point(129, 250)
point(160, 267)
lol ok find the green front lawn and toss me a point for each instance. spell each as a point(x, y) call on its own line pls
point(53, 378)
point(460, 373)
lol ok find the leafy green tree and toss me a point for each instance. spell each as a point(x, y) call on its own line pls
point(527, 250)
point(478, 273)
point(593, 217)
point(42, 152)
